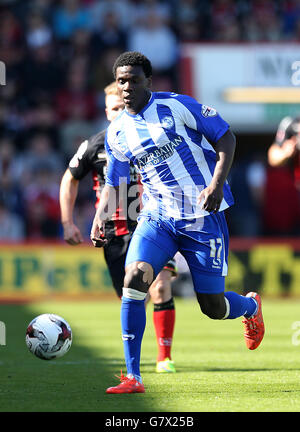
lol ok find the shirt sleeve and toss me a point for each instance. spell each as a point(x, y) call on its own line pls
point(118, 170)
point(202, 118)
point(80, 164)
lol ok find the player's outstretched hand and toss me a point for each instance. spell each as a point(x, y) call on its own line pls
point(72, 234)
point(98, 233)
point(211, 199)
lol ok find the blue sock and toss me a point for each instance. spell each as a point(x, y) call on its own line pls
point(240, 305)
point(133, 322)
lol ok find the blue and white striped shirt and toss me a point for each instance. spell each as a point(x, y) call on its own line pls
point(167, 141)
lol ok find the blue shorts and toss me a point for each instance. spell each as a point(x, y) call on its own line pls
point(203, 243)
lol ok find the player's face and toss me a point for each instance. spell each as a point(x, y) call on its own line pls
point(133, 86)
point(114, 105)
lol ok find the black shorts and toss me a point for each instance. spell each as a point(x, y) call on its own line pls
point(115, 254)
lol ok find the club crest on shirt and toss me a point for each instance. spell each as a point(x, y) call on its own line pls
point(207, 111)
point(167, 122)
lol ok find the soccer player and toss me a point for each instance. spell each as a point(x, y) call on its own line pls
point(286, 148)
point(183, 151)
point(283, 183)
point(91, 158)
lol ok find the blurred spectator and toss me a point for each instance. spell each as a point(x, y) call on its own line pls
point(122, 9)
point(43, 8)
point(290, 17)
point(11, 225)
point(11, 41)
point(8, 158)
point(158, 42)
point(11, 192)
point(247, 182)
point(41, 74)
point(282, 203)
point(101, 74)
point(39, 155)
point(69, 17)
point(109, 35)
point(10, 121)
point(263, 22)
point(11, 32)
point(80, 47)
point(76, 96)
point(41, 119)
point(161, 9)
point(223, 19)
point(189, 31)
point(281, 206)
point(73, 132)
point(188, 10)
point(189, 20)
point(42, 205)
point(296, 33)
point(10, 91)
point(38, 32)
point(11, 104)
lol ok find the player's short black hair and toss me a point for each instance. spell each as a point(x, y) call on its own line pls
point(133, 58)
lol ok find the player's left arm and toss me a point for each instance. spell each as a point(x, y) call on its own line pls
point(212, 196)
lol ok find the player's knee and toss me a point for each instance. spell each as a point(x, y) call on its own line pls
point(160, 290)
point(138, 276)
point(212, 306)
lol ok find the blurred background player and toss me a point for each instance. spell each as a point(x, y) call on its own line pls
point(91, 157)
point(283, 180)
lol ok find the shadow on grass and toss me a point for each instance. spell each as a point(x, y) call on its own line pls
point(73, 383)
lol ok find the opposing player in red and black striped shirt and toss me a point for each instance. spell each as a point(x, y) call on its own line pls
point(91, 158)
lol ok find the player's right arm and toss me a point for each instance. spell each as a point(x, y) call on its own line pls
point(107, 207)
point(118, 175)
point(67, 197)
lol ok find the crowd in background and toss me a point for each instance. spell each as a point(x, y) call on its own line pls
point(59, 55)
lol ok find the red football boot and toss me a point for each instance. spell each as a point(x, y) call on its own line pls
point(254, 326)
point(128, 385)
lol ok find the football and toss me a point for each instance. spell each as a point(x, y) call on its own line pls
point(48, 336)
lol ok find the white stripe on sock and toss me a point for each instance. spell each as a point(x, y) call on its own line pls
point(133, 294)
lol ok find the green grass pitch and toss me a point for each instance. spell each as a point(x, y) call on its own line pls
point(215, 371)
